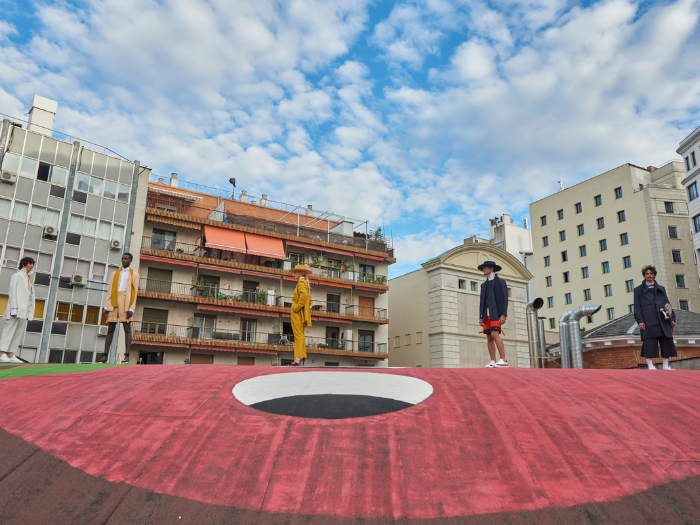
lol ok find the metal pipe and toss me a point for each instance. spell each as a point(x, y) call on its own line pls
point(543, 342)
point(532, 330)
point(564, 339)
point(574, 328)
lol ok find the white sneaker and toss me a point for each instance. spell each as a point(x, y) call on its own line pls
point(15, 359)
point(501, 363)
point(4, 358)
point(652, 367)
point(669, 368)
point(492, 364)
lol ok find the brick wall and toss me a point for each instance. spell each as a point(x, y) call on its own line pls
point(625, 357)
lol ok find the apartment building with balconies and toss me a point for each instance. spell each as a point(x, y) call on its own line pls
point(592, 240)
point(72, 208)
point(216, 285)
point(689, 149)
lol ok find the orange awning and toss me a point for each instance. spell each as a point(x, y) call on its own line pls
point(223, 239)
point(265, 246)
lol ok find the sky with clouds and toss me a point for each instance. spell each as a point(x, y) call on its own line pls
point(425, 117)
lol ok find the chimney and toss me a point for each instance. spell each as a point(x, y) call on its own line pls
point(561, 185)
point(263, 200)
point(651, 168)
point(161, 180)
point(41, 114)
point(309, 210)
point(244, 196)
point(506, 218)
point(173, 180)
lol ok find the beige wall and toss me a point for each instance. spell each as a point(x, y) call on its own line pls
point(409, 314)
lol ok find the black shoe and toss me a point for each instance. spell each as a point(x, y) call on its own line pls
point(104, 358)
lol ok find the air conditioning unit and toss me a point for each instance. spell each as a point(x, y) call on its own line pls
point(102, 330)
point(8, 178)
point(50, 232)
point(115, 245)
point(78, 280)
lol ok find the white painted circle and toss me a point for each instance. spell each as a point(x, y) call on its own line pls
point(275, 386)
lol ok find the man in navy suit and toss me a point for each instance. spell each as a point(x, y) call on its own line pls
point(493, 309)
point(650, 302)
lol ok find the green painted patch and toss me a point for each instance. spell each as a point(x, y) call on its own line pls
point(42, 369)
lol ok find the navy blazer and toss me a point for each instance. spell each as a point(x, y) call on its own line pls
point(645, 310)
point(500, 290)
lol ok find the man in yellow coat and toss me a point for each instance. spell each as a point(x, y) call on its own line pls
point(120, 304)
point(301, 312)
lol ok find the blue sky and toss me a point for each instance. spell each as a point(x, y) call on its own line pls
point(426, 117)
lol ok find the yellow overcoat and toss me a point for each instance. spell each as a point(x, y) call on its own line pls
point(118, 303)
point(301, 316)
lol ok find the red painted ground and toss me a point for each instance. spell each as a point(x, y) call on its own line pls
point(486, 441)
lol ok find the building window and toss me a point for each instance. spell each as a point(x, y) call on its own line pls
point(546, 261)
point(630, 308)
point(598, 200)
point(606, 267)
point(543, 220)
point(673, 232)
point(552, 323)
point(618, 193)
point(601, 223)
point(621, 216)
point(683, 305)
point(676, 255)
point(397, 341)
point(608, 290)
point(419, 338)
point(603, 245)
point(560, 214)
point(584, 272)
point(629, 285)
point(692, 156)
point(579, 208)
point(550, 302)
point(627, 262)
point(548, 279)
point(564, 256)
point(462, 284)
point(474, 286)
point(566, 277)
point(580, 229)
point(696, 223)
point(611, 314)
point(562, 235)
point(582, 250)
point(407, 340)
point(589, 319)
point(693, 191)
point(669, 207)
point(587, 294)
point(567, 298)
point(623, 239)
point(296, 258)
point(680, 281)
point(545, 241)
point(687, 164)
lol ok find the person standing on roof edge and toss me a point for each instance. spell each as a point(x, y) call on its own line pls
point(301, 312)
point(20, 308)
point(656, 319)
point(120, 304)
point(493, 310)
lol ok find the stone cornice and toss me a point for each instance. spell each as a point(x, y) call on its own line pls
point(687, 142)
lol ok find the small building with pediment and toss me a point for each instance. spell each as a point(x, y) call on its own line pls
point(435, 310)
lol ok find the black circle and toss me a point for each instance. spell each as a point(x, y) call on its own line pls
point(331, 406)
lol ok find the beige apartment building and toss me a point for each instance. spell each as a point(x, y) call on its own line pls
point(435, 310)
point(592, 240)
point(216, 285)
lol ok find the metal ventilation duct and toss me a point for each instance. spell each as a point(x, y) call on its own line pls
point(564, 339)
point(534, 335)
point(574, 326)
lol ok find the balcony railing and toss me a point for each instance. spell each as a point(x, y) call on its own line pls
point(371, 241)
point(260, 297)
point(152, 243)
point(141, 328)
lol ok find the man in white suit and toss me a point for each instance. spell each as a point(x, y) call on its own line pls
point(120, 304)
point(20, 308)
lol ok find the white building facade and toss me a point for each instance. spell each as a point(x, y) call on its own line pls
point(689, 149)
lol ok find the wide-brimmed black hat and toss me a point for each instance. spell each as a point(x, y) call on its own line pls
point(492, 264)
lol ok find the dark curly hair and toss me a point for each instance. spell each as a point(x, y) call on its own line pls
point(647, 268)
point(24, 262)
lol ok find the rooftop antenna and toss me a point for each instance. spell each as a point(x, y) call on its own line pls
point(233, 181)
point(561, 185)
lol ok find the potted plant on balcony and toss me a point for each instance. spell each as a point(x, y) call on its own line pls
point(316, 260)
point(378, 234)
point(348, 271)
point(261, 296)
point(198, 282)
point(381, 279)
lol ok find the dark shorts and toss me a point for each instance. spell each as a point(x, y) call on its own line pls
point(491, 326)
point(650, 347)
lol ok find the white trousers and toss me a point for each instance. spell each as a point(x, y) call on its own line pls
point(12, 334)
